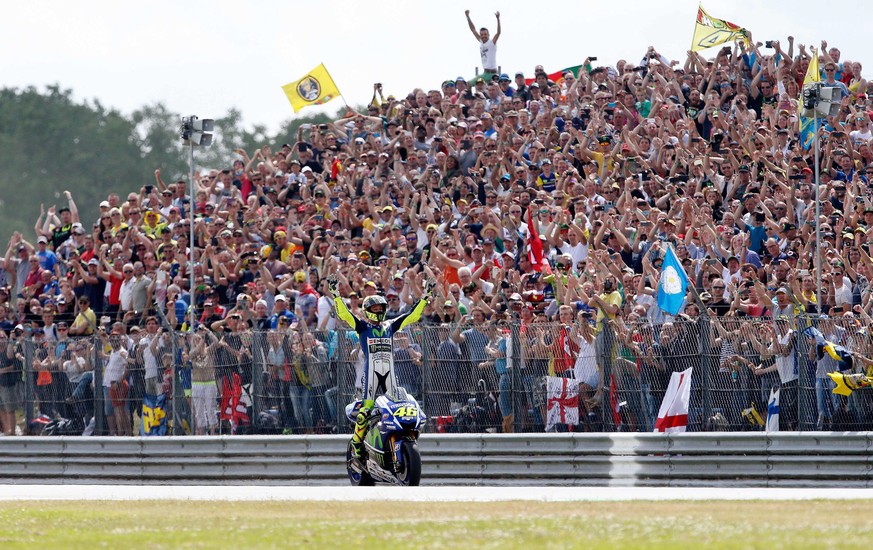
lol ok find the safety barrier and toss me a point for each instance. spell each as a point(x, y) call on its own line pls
point(798, 459)
point(468, 378)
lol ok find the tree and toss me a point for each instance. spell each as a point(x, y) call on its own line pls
point(51, 143)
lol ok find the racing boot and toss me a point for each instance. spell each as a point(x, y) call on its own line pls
point(361, 428)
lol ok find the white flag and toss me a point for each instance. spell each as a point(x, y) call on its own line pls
point(673, 414)
point(773, 411)
point(562, 401)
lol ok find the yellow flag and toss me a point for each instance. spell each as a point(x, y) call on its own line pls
point(812, 72)
point(315, 88)
point(709, 31)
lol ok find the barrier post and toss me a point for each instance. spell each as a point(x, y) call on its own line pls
point(99, 420)
point(516, 385)
point(29, 381)
point(704, 365)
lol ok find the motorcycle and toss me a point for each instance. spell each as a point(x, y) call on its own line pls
point(390, 453)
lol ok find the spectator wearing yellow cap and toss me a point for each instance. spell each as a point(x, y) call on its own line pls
point(152, 224)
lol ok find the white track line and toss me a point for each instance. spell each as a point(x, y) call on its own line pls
point(415, 494)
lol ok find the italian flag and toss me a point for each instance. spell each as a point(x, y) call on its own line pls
point(558, 77)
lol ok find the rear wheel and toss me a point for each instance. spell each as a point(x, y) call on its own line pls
point(409, 472)
point(362, 479)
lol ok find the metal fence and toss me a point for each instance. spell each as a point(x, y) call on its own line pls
point(788, 459)
point(468, 378)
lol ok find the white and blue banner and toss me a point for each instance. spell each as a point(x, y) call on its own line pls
point(673, 284)
point(773, 411)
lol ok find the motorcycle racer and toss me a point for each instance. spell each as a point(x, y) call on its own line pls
point(376, 339)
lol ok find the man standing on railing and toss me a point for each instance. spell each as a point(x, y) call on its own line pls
point(376, 337)
point(487, 45)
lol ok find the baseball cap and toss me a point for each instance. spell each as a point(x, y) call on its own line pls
point(41, 239)
point(104, 204)
point(280, 298)
point(300, 277)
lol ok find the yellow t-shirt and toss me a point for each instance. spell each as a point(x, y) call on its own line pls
point(87, 319)
point(614, 299)
point(598, 158)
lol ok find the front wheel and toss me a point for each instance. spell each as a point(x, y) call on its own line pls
point(362, 479)
point(409, 472)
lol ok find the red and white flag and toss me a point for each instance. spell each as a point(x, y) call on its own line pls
point(673, 414)
point(563, 401)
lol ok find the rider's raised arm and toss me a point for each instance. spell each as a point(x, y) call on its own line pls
point(415, 313)
point(411, 316)
point(343, 313)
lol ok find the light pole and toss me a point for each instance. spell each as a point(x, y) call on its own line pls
point(819, 100)
point(818, 304)
point(194, 132)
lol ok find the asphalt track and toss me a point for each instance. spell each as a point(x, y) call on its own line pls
point(416, 494)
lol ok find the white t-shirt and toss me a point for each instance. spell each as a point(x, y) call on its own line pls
point(149, 360)
point(114, 367)
point(578, 252)
point(860, 138)
point(785, 364)
point(72, 366)
point(488, 51)
point(585, 369)
point(325, 311)
point(843, 293)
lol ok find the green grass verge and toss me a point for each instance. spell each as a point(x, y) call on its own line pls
point(616, 525)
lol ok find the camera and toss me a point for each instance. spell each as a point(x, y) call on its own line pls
point(322, 127)
point(148, 189)
point(768, 44)
point(592, 59)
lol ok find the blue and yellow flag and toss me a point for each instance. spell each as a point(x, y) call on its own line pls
point(154, 415)
point(316, 88)
point(836, 352)
point(807, 124)
point(710, 31)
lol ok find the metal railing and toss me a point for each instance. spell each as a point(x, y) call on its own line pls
point(468, 378)
point(820, 459)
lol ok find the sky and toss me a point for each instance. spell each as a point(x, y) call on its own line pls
point(204, 57)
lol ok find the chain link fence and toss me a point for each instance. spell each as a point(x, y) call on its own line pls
point(603, 376)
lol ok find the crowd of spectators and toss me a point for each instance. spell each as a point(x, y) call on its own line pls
point(530, 201)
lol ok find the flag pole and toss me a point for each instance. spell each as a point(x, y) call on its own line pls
point(337, 87)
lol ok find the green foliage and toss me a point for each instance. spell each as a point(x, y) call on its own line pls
point(51, 143)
